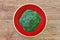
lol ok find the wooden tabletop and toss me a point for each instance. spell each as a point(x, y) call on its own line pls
point(51, 8)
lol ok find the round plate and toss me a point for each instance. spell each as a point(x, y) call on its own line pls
point(19, 13)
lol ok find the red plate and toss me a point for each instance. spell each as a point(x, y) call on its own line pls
point(19, 13)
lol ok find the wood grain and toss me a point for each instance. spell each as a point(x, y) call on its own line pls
point(51, 8)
